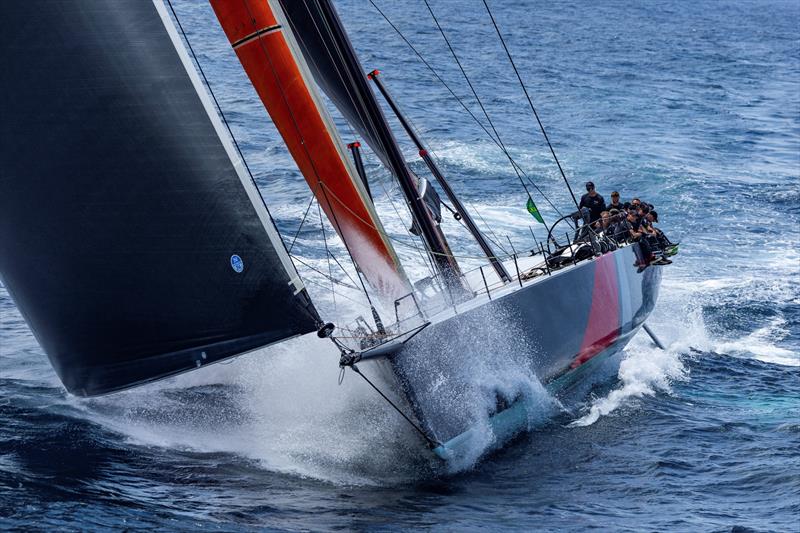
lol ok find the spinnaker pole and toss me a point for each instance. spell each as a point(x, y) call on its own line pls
point(437, 173)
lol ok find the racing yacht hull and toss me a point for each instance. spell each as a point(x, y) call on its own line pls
point(555, 328)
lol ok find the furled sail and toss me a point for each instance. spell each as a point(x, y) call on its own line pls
point(131, 242)
point(278, 71)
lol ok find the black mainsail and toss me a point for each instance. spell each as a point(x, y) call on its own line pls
point(131, 239)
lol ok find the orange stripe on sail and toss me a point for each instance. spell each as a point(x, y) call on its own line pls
point(274, 70)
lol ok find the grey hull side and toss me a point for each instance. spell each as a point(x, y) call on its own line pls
point(454, 371)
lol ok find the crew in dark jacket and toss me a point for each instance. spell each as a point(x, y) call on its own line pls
point(615, 202)
point(592, 201)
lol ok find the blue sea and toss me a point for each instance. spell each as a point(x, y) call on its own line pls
point(693, 106)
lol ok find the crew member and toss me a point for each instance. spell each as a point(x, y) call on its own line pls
point(593, 202)
point(615, 203)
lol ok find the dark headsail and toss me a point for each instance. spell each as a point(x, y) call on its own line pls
point(327, 59)
point(336, 68)
point(132, 244)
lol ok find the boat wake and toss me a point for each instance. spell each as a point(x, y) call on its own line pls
point(279, 409)
point(644, 371)
point(709, 311)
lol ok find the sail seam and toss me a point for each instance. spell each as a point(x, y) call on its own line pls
point(255, 35)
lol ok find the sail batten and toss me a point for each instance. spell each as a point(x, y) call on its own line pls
point(131, 239)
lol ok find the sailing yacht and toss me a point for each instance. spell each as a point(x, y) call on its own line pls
point(135, 242)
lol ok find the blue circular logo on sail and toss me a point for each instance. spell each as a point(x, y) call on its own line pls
point(237, 264)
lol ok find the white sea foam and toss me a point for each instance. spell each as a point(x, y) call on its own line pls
point(678, 320)
point(644, 371)
point(281, 407)
point(761, 345)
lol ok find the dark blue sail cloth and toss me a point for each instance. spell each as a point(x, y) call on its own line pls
point(336, 69)
point(128, 239)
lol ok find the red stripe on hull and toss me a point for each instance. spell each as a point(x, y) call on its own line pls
point(603, 327)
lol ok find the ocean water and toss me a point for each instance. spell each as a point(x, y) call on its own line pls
point(693, 106)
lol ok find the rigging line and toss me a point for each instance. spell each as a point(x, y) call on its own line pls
point(327, 256)
point(491, 230)
point(329, 253)
point(305, 215)
point(530, 102)
point(366, 119)
point(431, 442)
point(433, 71)
point(371, 124)
point(426, 259)
point(321, 273)
point(419, 55)
point(346, 273)
point(486, 114)
point(315, 282)
point(336, 225)
point(345, 77)
point(475, 94)
point(225, 120)
point(395, 239)
point(338, 50)
point(438, 159)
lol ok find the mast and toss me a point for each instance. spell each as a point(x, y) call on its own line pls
point(434, 168)
point(335, 66)
point(277, 69)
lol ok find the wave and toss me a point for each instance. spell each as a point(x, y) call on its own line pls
point(646, 370)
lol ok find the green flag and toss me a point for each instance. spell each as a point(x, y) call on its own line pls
point(534, 211)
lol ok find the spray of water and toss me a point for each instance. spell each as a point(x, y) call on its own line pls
point(680, 321)
point(644, 371)
point(280, 408)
